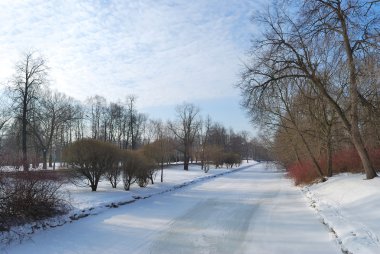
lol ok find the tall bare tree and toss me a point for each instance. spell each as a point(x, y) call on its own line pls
point(30, 76)
point(204, 142)
point(97, 108)
point(132, 121)
point(186, 128)
point(161, 148)
point(53, 111)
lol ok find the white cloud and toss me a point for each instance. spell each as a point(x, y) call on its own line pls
point(163, 51)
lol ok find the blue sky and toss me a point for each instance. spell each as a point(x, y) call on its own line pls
point(165, 52)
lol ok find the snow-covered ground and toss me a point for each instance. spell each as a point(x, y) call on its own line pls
point(253, 210)
point(174, 176)
point(84, 202)
point(350, 207)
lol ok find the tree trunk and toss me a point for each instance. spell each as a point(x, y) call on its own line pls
point(50, 160)
point(25, 163)
point(329, 158)
point(363, 154)
point(151, 179)
point(186, 159)
point(354, 101)
point(127, 185)
point(44, 158)
point(186, 164)
point(162, 171)
point(313, 159)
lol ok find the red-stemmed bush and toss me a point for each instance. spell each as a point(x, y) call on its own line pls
point(345, 160)
point(302, 173)
point(375, 158)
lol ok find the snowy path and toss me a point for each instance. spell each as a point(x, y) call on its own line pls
point(250, 211)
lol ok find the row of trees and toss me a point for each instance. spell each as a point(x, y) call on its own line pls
point(313, 83)
point(37, 123)
point(94, 160)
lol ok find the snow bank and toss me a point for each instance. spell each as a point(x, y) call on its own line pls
point(85, 202)
point(349, 206)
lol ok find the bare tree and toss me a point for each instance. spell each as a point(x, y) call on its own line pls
point(246, 146)
point(97, 106)
point(30, 76)
point(321, 42)
point(161, 148)
point(132, 118)
point(218, 135)
point(116, 125)
point(186, 128)
point(204, 140)
point(5, 124)
point(53, 111)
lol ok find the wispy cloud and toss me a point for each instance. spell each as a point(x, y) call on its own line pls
point(163, 51)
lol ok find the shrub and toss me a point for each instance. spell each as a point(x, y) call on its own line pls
point(129, 166)
point(346, 160)
point(92, 159)
point(231, 159)
point(29, 196)
point(136, 168)
point(158, 152)
point(216, 155)
point(302, 173)
point(375, 157)
point(113, 172)
point(146, 171)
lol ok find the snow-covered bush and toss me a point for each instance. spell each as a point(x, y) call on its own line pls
point(92, 159)
point(29, 196)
